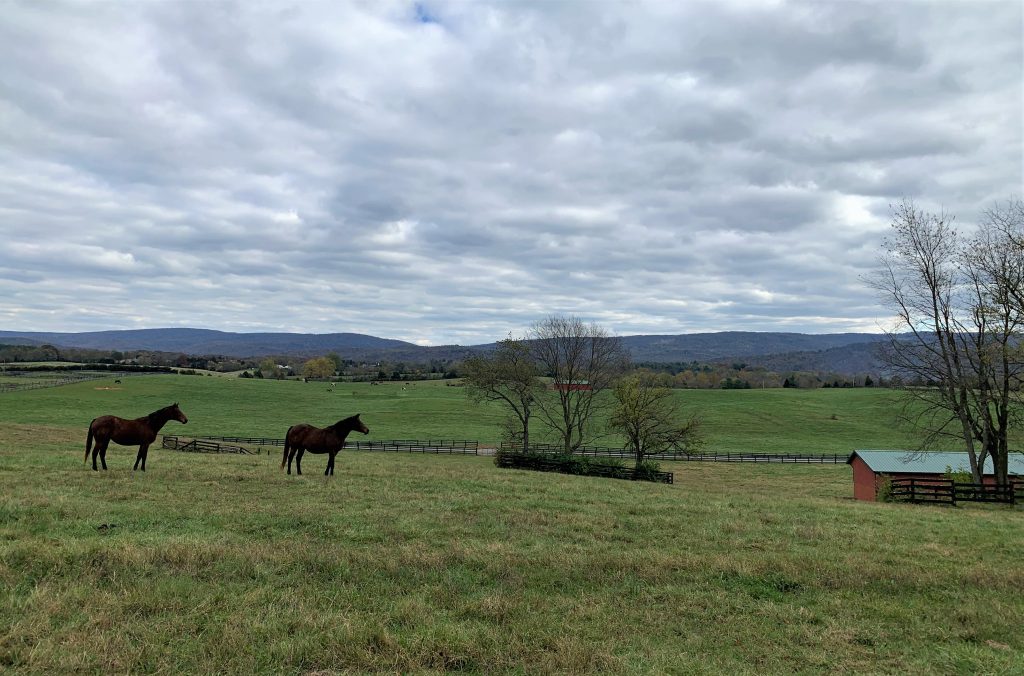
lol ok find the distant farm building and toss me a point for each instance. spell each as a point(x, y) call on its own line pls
point(572, 386)
point(870, 468)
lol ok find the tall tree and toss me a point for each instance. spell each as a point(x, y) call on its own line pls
point(509, 376)
point(650, 419)
point(584, 360)
point(958, 327)
point(318, 367)
point(270, 369)
point(336, 359)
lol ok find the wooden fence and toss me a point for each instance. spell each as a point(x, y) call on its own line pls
point(203, 446)
point(251, 441)
point(439, 446)
point(828, 458)
point(949, 492)
point(544, 464)
point(40, 382)
point(815, 458)
point(593, 451)
point(45, 383)
point(414, 446)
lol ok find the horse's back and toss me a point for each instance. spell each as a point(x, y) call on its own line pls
point(107, 422)
point(123, 431)
point(298, 433)
point(310, 438)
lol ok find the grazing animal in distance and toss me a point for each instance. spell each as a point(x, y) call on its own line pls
point(141, 431)
point(302, 437)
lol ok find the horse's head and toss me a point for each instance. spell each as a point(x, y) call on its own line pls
point(355, 424)
point(177, 414)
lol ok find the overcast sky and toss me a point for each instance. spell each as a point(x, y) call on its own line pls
point(451, 172)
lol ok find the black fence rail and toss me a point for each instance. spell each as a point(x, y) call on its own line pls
point(827, 458)
point(439, 446)
point(40, 382)
point(251, 441)
point(417, 446)
point(49, 382)
point(813, 458)
point(949, 492)
point(592, 451)
point(204, 446)
point(938, 491)
point(545, 464)
point(990, 493)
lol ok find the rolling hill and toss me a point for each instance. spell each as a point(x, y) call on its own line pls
point(838, 352)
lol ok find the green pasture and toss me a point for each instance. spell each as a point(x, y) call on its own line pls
point(777, 420)
point(410, 563)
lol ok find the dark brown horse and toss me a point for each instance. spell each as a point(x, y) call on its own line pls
point(302, 438)
point(141, 431)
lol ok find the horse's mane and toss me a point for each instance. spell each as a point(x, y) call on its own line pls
point(343, 422)
point(160, 414)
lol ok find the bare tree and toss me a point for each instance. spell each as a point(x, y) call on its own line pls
point(508, 376)
point(1008, 220)
point(650, 419)
point(583, 360)
point(958, 328)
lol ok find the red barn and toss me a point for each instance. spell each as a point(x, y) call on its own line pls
point(572, 386)
point(869, 467)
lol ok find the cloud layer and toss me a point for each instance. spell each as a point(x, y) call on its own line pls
point(451, 172)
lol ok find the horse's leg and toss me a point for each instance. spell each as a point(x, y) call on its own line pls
point(298, 460)
point(96, 452)
point(103, 455)
point(329, 470)
point(144, 450)
point(138, 457)
point(291, 456)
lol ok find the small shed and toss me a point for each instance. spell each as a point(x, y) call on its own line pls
point(869, 467)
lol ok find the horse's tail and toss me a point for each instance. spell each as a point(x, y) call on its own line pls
point(88, 443)
point(287, 439)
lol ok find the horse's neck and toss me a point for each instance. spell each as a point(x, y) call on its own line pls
point(340, 430)
point(158, 419)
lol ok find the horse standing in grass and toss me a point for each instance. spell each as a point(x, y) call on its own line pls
point(303, 437)
point(140, 431)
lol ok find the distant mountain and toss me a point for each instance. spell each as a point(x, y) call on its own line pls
point(838, 352)
point(206, 341)
point(850, 359)
point(730, 345)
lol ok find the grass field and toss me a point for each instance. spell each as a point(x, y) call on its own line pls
point(826, 421)
point(412, 563)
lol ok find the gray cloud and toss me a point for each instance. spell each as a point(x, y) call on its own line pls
point(449, 172)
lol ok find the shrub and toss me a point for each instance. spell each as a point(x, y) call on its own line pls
point(579, 465)
point(884, 493)
point(958, 475)
point(647, 470)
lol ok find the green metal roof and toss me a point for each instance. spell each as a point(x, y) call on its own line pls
point(928, 462)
